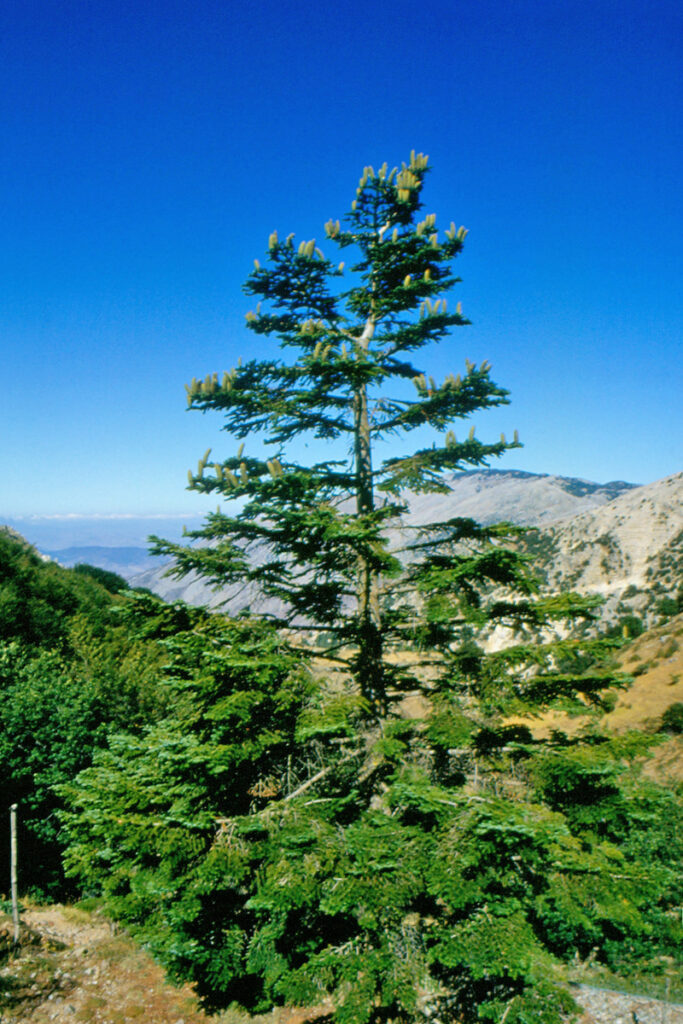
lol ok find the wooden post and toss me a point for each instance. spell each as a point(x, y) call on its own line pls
point(13, 871)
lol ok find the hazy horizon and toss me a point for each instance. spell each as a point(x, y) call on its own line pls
point(52, 532)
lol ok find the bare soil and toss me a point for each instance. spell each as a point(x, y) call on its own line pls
point(75, 967)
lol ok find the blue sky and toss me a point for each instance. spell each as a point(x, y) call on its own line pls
point(148, 150)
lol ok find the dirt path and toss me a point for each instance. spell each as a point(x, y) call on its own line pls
point(606, 1007)
point(74, 967)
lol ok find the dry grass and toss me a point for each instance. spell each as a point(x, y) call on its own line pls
point(656, 661)
point(74, 966)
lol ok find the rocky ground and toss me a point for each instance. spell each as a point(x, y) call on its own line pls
point(74, 967)
point(77, 968)
point(604, 1007)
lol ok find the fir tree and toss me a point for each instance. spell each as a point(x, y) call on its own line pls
point(353, 337)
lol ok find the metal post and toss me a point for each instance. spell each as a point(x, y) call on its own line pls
point(13, 871)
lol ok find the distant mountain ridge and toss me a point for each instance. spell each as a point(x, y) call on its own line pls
point(527, 499)
point(126, 561)
point(488, 496)
point(629, 550)
point(117, 542)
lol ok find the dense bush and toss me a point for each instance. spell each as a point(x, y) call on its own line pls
point(38, 598)
point(111, 581)
point(272, 847)
point(672, 719)
point(69, 671)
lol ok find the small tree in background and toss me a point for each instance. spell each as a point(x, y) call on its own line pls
point(312, 839)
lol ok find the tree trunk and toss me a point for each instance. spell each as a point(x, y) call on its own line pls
point(370, 662)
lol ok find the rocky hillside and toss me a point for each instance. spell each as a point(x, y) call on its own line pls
point(529, 499)
point(617, 540)
point(629, 550)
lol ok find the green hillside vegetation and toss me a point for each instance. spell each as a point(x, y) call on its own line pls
point(342, 805)
point(69, 671)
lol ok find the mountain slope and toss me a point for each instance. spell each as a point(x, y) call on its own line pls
point(629, 551)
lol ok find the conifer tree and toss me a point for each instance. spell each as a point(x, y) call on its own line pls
point(355, 377)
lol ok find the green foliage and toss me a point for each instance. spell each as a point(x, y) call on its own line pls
point(153, 812)
point(667, 607)
point(68, 673)
point(630, 626)
point(49, 723)
point(591, 785)
point(111, 581)
point(37, 598)
point(672, 719)
point(353, 865)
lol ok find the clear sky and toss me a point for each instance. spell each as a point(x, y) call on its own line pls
point(147, 150)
